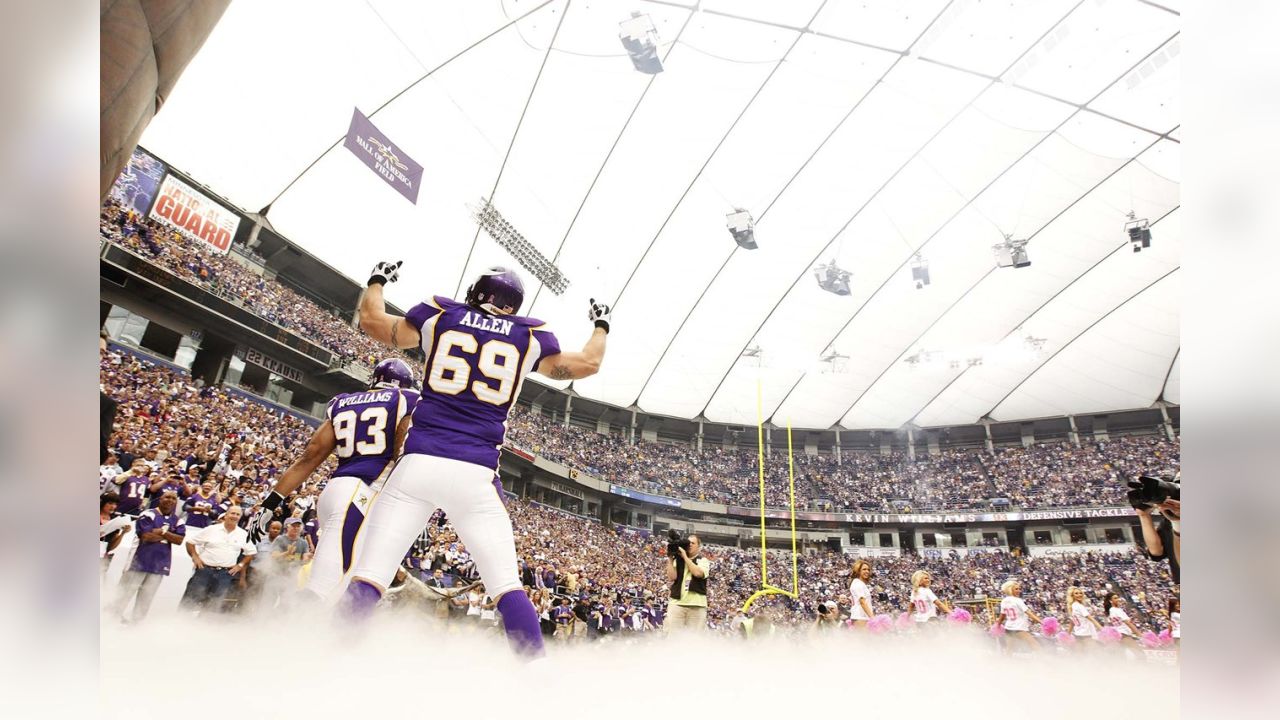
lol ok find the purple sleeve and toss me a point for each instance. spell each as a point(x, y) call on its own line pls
point(180, 529)
point(146, 523)
point(550, 345)
point(420, 314)
point(328, 410)
point(410, 400)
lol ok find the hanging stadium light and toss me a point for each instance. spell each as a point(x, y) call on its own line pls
point(640, 38)
point(1011, 253)
point(742, 227)
point(1139, 232)
point(519, 248)
point(920, 271)
point(836, 362)
point(832, 278)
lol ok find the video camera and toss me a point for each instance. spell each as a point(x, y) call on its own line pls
point(675, 542)
point(1146, 492)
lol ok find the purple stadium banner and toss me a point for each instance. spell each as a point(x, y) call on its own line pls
point(383, 157)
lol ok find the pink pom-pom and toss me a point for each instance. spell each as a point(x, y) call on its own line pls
point(904, 621)
point(1108, 635)
point(880, 624)
point(1049, 626)
point(1166, 637)
point(960, 616)
point(1066, 638)
point(996, 630)
point(1150, 640)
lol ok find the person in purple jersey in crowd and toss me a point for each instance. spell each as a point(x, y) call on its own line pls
point(158, 530)
point(201, 505)
point(311, 530)
point(365, 430)
point(478, 354)
point(133, 484)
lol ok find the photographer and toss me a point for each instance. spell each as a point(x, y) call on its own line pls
point(828, 616)
point(687, 572)
point(1158, 505)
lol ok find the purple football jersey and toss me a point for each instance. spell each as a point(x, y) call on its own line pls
point(207, 504)
point(365, 425)
point(132, 493)
point(154, 557)
point(475, 365)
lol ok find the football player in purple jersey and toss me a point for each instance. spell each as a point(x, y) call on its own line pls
point(478, 354)
point(365, 430)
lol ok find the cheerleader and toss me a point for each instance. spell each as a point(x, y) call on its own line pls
point(860, 594)
point(1016, 615)
point(1083, 624)
point(925, 606)
point(1119, 619)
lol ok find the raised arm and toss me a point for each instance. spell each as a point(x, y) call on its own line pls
point(391, 330)
point(1150, 536)
point(577, 365)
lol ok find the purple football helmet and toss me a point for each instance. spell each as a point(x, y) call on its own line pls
point(393, 372)
point(498, 291)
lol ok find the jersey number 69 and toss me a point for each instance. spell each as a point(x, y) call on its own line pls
point(498, 361)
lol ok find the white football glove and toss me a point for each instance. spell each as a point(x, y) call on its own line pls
point(600, 314)
point(385, 272)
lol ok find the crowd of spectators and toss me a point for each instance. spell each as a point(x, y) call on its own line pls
point(223, 276)
point(218, 451)
point(613, 578)
point(1063, 475)
point(172, 431)
point(1046, 475)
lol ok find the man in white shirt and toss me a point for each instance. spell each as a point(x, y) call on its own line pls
point(220, 553)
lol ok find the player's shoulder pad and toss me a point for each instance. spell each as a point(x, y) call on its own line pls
point(531, 323)
point(443, 303)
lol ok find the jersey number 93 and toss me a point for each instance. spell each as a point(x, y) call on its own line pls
point(346, 426)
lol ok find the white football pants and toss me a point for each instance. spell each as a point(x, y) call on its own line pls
point(418, 485)
point(341, 511)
